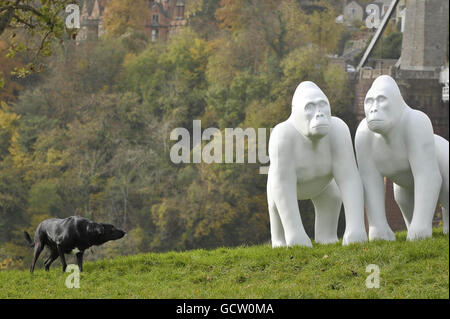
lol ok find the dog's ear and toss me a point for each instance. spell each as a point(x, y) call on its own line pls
point(94, 228)
point(90, 228)
point(100, 229)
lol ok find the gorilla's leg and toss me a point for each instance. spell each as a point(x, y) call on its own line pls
point(327, 207)
point(445, 218)
point(405, 200)
point(276, 228)
point(444, 202)
point(442, 156)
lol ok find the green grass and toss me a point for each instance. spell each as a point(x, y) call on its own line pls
point(407, 270)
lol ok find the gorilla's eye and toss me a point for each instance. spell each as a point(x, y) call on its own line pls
point(369, 101)
point(381, 99)
point(323, 104)
point(309, 107)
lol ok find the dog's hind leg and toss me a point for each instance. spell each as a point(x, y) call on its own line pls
point(63, 258)
point(37, 251)
point(53, 256)
point(80, 260)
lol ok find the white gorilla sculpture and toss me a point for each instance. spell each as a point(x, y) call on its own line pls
point(311, 157)
point(397, 142)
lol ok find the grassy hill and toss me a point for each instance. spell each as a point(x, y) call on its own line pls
point(407, 270)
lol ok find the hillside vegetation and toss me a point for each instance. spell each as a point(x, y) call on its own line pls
point(90, 134)
point(407, 270)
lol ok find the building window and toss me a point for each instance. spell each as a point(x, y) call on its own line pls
point(154, 35)
point(180, 11)
point(155, 18)
point(352, 12)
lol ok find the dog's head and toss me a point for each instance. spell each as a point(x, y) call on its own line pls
point(100, 233)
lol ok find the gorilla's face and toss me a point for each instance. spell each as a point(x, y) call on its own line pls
point(311, 112)
point(383, 105)
point(377, 109)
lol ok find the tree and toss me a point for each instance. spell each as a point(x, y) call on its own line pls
point(92, 136)
point(171, 77)
point(9, 84)
point(122, 15)
point(12, 188)
point(201, 17)
point(40, 19)
point(12, 200)
point(39, 15)
point(256, 28)
point(389, 46)
point(9, 123)
point(324, 32)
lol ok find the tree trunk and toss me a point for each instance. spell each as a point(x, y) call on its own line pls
point(5, 19)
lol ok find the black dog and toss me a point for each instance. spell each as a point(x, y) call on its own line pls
point(73, 234)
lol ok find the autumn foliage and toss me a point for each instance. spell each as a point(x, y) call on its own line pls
point(90, 135)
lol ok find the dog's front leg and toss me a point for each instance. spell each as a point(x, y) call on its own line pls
point(80, 260)
point(63, 258)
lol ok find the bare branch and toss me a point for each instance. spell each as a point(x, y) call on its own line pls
point(26, 7)
point(31, 26)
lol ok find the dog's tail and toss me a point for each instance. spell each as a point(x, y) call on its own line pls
point(29, 240)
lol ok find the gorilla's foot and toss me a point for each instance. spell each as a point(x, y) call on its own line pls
point(415, 232)
point(384, 233)
point(278, 243)
point(324, 240)
point(445, 219)
point(351, 237)
point(299, 240)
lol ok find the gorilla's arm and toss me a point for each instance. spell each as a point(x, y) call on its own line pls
point(348, 180)
point(283, 186)
point(424, 166)
point(373, 184)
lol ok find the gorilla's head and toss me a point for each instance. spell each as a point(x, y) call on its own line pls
point(383, 105)
point(311, 111)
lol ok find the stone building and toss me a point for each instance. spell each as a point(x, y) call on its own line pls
point(353, 11)
point(357, 10)
point(162, 18)
point(165, 17)
point(91, 20)
point(424, 45)
point(383, 4)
